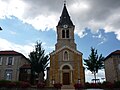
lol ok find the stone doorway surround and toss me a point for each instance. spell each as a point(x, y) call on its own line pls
point(66, 74)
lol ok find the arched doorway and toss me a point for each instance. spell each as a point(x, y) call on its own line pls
point(66, 75)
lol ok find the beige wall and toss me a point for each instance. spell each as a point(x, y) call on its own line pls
point(75, 61)
point(18, 62)
point(112, 71)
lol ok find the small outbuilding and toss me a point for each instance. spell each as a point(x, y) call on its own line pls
point(112, 66)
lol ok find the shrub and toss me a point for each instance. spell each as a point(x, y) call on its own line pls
point(3, 83)
point(78, 86)
point(117, 84)
point(11, 85)
point(94, 85)
point(107, 85)
point(41, 85)
point(58, 85)
point(24, 84)
point(87, 85)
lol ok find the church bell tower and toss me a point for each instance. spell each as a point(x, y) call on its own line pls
point(65, 31)
point(66, 65)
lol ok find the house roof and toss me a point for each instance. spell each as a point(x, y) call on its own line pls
point(65, 18)
point(117, 52)
point(11, 52)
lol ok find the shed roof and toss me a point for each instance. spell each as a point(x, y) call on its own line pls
point(117, 52)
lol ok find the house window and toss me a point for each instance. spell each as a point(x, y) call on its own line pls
point(10, 61)
point(65, 55)
point(8, 74)
point(0, 60)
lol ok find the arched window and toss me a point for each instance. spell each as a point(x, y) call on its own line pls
point(65, 56)
point(67, 33)
point(63, 33)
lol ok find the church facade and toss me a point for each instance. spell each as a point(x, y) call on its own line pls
point(66, 65)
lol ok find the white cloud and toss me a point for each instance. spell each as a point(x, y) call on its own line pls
point(100, 37)
point(13, 33)
point(42, 22)
point(90, 76)
point(24, 49)
point(11, 8)
point(44, 15)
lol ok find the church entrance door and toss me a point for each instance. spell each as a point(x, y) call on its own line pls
point(66, 78)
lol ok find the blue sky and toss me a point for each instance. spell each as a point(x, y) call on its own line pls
point(24, 22)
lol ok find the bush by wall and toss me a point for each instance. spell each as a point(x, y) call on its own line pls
point(11, 84)
point(58, 85)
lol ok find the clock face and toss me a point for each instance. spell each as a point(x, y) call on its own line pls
point(65, 26)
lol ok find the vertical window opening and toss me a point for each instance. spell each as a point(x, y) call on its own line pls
point(65, 56)
point(67, 33)
point(63, 33)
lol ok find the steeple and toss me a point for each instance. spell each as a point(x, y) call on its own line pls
point(65, 18)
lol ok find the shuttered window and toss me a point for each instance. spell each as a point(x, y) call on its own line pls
point(10, 61)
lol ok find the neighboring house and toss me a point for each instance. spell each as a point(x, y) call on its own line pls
point(25, 73)
point(66, 64)
point(10, 64)
point(112, 66)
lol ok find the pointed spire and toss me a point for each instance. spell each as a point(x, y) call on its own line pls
point(65, 18)
point(64, 2)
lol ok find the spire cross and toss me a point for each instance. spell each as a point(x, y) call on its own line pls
point(64, 2)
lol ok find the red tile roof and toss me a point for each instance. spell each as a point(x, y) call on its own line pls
point(117, 52)
point(12, 52)
point(9, 53)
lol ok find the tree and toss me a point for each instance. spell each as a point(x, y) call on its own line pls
point(39, 61)
point(94, 62)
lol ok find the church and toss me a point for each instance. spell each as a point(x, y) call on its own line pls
point(66, 66)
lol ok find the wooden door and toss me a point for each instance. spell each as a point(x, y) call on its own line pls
point(66, 79)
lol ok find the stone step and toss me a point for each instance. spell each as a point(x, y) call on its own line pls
point(66, 87)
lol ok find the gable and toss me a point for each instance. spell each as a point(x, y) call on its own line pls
point(68, 48)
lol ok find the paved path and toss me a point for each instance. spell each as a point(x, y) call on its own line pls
point(67, 87)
